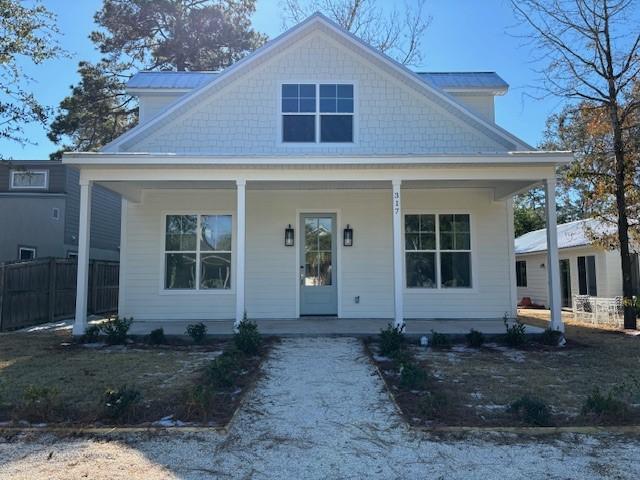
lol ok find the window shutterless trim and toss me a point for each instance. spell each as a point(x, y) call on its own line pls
point(45, 186)
point(163, 253)
point(439, 289)
point(317, 114)
point(27, 249)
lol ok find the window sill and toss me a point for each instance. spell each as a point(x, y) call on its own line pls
point(437, 291)
point(164, 291)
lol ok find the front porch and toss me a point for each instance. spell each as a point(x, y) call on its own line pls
point(463, 273)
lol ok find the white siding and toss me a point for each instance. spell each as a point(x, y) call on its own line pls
point(608, 276)
point(364, 270)
point(391, 117)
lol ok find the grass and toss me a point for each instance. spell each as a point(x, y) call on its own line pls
point(481, 383)
point(81, 375)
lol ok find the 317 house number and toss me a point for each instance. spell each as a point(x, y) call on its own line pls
point(396, 203)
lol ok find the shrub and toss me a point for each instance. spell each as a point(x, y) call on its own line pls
point(248, 339)
point(401, 357)
point(121, 404)
point(116, 330)
point(531, 411)
point(412, 377)
point(607, 407)
point(475, 338)
point(91, 334)
point(439, 339)
point(551, 337)
point(515, 336)
point(39, 404)
point(391, 340)
point(223, 371)
point(156, 337)
point(197, 332)
point(432, 405)
point(198, 402)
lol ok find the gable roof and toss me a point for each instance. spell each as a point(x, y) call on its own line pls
point(488, 82)
point(572, 234)
point(317, 20)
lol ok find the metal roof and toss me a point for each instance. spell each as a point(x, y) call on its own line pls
point(450, 81)
point(572, 234)
point(169, 80)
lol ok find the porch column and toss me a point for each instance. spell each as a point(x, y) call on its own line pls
point(84, 234)
point(397, 254)
point(553, 263)
point(240, 249)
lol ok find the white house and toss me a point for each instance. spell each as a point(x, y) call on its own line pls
point(316, 177)
point(585, 268)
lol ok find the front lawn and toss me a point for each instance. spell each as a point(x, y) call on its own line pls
point(466, 386)
point(45, 377)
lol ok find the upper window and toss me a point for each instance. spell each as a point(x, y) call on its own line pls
point(317, 113)
point(521, 273)
point(438, 251)
point(35, 179)
point(26, 253)
point(198, 252)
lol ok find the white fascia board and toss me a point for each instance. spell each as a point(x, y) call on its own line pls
point(277, 44)
point(137, 159)
point(157, 91)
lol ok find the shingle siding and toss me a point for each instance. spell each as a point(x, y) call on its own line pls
point(391, 116)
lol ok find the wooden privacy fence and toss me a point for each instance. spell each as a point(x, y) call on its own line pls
point(44, 290)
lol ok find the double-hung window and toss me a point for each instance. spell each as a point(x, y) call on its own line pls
point(197, 252)
point(438, 251)
point(587, 284)
point(317, 113)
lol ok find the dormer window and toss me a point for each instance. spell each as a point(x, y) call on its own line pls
point(30, 179)
point(317, 113)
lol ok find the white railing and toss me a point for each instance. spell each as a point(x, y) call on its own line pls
point(598, 310)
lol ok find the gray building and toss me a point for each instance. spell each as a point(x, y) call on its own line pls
point(39, 213)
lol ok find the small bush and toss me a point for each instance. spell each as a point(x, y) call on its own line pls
point(91, 334)
point(606, 407)
point(439, 339)
point(116, 330)
point(475, 338)
point(198, 402)
point(433, 404)
point(39, 404)
point(248, 339)
point(391, 340)
point(197, 332)
point(401, 357)
point(121, 404)
point(412, 377)
point(515, 336)
point(156, 337)
point(551, 337)
point(531, 411)
point(223, 371)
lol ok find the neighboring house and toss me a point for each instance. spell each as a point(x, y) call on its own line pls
point(585, 268)
point(315, 177)
point(39, 212)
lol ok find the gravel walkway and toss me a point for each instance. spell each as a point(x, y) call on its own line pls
point(321, 412)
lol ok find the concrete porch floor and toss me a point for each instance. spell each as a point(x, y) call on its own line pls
point(331, 326)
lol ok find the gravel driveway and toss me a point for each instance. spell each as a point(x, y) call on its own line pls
point(320, 412)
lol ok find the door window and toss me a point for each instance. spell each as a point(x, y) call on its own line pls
point(317, 251)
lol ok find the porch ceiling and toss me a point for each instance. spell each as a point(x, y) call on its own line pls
point(132, 190)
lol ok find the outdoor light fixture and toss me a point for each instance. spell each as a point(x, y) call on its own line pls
point(288, 236)
point(348, 236)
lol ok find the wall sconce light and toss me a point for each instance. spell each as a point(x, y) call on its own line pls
point(542, 265)
point(347, 238)
point(288, 236)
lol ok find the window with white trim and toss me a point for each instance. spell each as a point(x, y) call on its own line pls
point(438, 251)
point(317, 113)
point(30, 179)
point(197, 252)
point(521, 273)
point(27, 253)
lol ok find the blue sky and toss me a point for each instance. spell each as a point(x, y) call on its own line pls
point(464, 35)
